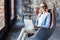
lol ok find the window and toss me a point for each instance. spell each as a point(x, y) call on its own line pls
point(12, 9)
point(2, 19)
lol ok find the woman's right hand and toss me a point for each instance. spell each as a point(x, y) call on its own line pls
point(36, 27)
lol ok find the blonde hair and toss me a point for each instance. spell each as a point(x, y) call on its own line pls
point(37, 9)
point(44, 5)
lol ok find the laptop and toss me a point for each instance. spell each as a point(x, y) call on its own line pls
point(28, 24)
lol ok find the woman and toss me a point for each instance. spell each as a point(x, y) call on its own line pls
point(42, 21)
point(43, 18)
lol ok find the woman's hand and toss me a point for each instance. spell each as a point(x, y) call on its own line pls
point(36, 27)
point(51, 26)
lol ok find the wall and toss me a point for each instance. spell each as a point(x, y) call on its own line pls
point(57, 7)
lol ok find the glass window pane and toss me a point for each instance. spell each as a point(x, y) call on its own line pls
point(2, 19)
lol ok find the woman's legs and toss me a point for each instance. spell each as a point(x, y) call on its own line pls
point(24, 33)
point(21, 34)
point(41, 34)
point(24, 36)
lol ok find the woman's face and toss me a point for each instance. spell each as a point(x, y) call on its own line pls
point(42, 7)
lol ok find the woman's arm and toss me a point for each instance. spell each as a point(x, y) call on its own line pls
point(52, 22)
point(38, 27)
point(46, 22)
